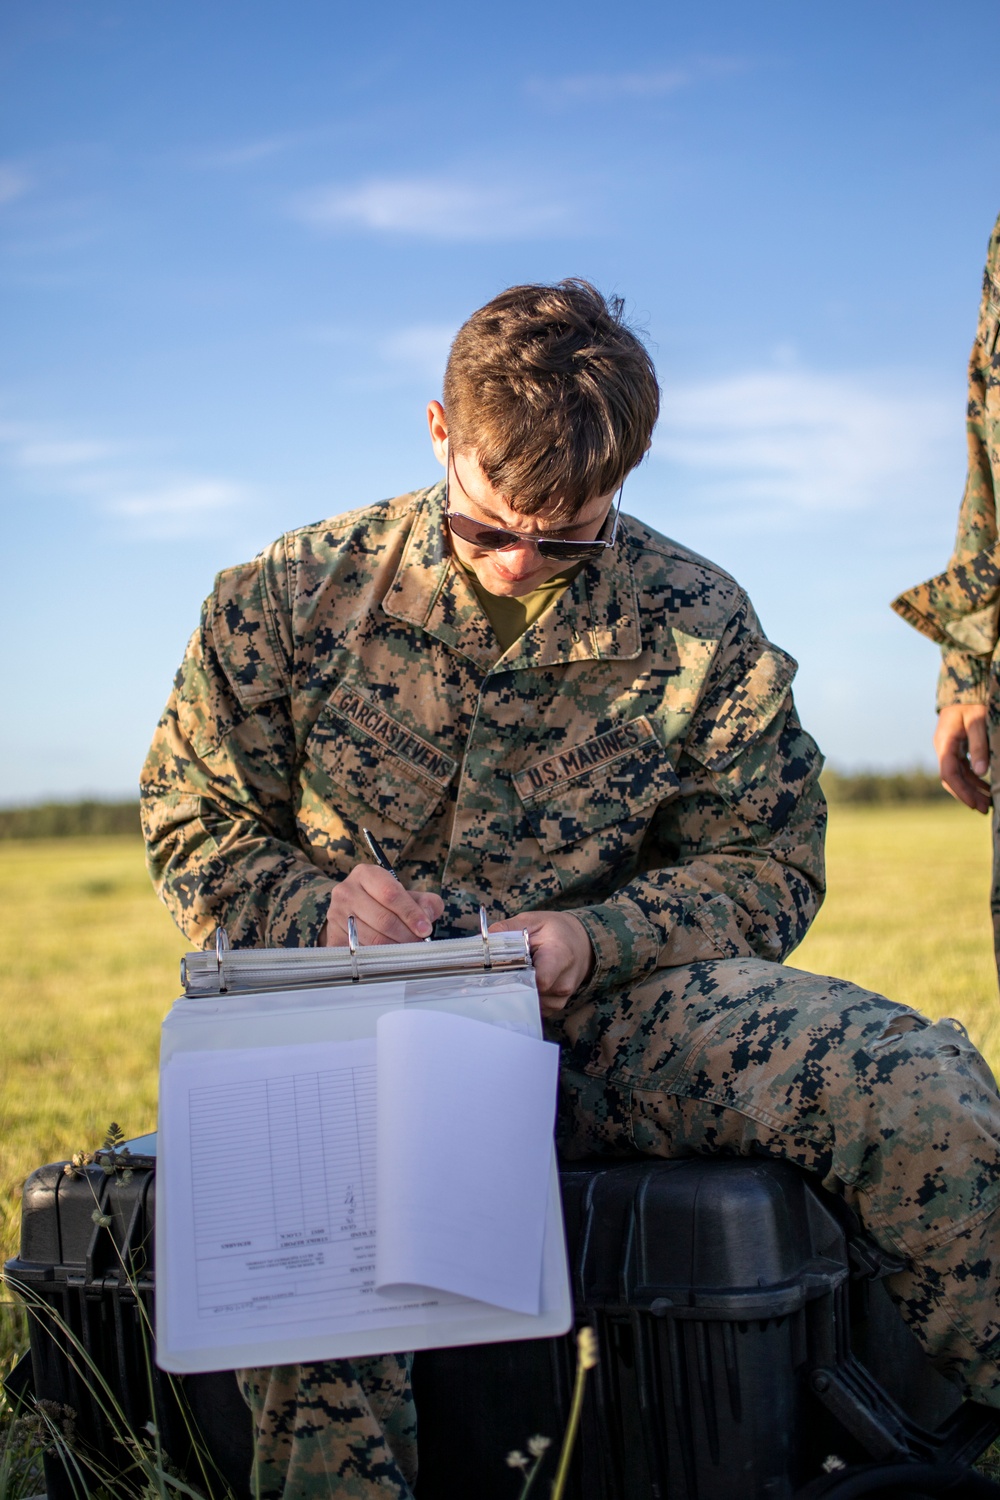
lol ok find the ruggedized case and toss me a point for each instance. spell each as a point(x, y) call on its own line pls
point(88, 1286)
point(747, 1345)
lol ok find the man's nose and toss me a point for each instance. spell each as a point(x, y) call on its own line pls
point(519, 559)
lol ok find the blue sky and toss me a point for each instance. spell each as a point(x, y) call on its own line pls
point(236, 239)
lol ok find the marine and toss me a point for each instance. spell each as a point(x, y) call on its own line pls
point(539, 704)
point(960, 608)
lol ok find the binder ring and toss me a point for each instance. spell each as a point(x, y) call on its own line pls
point(352, 943)
point(484, 932)
point(222, 947)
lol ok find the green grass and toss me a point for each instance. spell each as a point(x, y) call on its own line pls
point(908, 912)
point(88, 965)
point(88, 968)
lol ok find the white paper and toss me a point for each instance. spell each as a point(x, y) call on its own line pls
point(273, 1222)
point(465, 1117)
point(267, 1234)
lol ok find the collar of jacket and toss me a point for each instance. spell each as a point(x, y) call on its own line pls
point(596, 618)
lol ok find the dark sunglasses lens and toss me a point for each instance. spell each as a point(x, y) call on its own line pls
point(569, 551)
point(489, 538)
point(492, 539)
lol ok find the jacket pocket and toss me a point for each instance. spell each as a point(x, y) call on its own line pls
point(360, 781)
point(614, 782)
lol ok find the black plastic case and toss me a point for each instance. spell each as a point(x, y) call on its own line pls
point(746, 1341)
point(92, 1288)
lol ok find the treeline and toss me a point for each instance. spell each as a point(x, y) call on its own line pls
point(63, 820)
point(67, 820)
point(883, 786)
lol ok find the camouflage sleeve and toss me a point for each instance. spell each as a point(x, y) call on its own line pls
point(215, 789)
point(963, 678)
point(960, 608)
point(734, 861)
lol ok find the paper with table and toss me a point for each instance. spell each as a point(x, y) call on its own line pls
point(354, 1168)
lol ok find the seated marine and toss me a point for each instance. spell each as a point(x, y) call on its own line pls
point(538, 703)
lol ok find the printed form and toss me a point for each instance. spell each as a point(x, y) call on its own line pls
point(355, 1184)
point(312, 1233)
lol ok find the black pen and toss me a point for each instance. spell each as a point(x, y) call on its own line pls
point(380, 857)
point(378, 853)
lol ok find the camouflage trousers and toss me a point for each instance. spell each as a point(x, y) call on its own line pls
point(895, 1114)
point(898, 1116)
point(345, 1428)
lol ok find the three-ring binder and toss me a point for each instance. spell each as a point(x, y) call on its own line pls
point(224, 970)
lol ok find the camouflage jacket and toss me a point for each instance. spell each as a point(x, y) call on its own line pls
point(635, 757)
point(960, 608)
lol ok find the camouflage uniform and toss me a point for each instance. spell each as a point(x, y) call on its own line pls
point(960, 608)
point(635, 758)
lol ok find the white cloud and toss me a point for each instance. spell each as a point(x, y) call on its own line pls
point(62, 454)
point(181, 508)
point(422, 347)
point(114, 482)
point(775, 441)
point(650, 83)
point(14, 183)
point(436, 208)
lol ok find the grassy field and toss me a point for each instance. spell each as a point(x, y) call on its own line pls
point(908, 912)
point(88, 966)
point(88, 960)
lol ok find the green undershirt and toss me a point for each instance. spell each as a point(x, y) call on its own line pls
point(511, 617)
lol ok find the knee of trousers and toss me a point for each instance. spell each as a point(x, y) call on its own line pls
point(747, 1055)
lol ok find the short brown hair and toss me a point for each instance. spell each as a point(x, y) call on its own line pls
point(554, 394)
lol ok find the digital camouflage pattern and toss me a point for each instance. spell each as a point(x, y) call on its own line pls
point(960, 608)
point(896, 1115)
point(636, 758)
point(345, 1428)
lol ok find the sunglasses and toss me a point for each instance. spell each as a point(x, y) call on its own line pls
point(496, 538)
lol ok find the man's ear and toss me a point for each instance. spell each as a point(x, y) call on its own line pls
point(437, 423)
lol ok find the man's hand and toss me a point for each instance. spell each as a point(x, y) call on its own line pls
point(963, 753)
point(383, 910)
point(560, 950)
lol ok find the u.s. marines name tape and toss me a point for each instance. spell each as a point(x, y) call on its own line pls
point(416, 752)
point(578, 759)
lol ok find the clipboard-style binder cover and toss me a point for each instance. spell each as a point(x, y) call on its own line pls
point(239, 1000)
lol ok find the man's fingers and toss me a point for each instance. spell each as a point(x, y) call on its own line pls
point(958, 779)
point(373, 925)
point(962, 747)
point(560, 952)
point(979, 750)
point(386, 933)
point(432, 906)
point(383, 910)
point(392, 904)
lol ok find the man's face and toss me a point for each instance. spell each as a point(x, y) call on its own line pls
point(517, 569)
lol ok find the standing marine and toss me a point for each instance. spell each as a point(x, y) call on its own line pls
point(538, 703)
point(960, 608)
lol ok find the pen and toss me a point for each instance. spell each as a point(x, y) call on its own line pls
point(380, 857)
point(378, 853)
